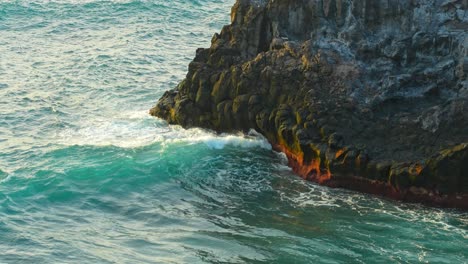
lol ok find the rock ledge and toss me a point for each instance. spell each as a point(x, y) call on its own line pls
point(366, 95)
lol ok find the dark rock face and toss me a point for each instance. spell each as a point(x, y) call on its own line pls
point(370, 95)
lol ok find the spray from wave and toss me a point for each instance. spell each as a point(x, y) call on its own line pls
point(138, 129)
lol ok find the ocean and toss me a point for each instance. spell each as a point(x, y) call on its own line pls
point(87, 176)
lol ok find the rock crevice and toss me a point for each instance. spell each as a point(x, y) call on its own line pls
point(367, 95)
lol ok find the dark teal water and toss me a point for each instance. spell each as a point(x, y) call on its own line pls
point(86, 176)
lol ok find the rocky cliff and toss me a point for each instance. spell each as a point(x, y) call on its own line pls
point(370, 95)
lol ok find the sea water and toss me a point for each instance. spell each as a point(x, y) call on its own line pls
point(87, 176)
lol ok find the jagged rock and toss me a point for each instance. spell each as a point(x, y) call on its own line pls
point(367, 95)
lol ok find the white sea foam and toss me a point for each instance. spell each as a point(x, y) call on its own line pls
point(136, 129)
point(131, 129)
point(319, 196)
point(197, 135)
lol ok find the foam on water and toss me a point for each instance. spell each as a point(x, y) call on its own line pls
point(197, 135)
point(128, 131)
point(138, 129)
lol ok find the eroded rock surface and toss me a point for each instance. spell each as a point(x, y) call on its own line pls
point(370, 95)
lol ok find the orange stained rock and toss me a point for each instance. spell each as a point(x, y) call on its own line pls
point(339, 153)
point(312, 171)
point(416, 169)
point(307, 170)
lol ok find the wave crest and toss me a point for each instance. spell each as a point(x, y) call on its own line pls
point(138, 129)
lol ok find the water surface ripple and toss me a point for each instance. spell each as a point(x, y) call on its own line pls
point(86, 176)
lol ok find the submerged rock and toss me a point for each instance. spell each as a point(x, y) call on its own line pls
point(367, 95)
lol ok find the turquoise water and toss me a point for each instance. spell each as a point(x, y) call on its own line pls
point(86, 176)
